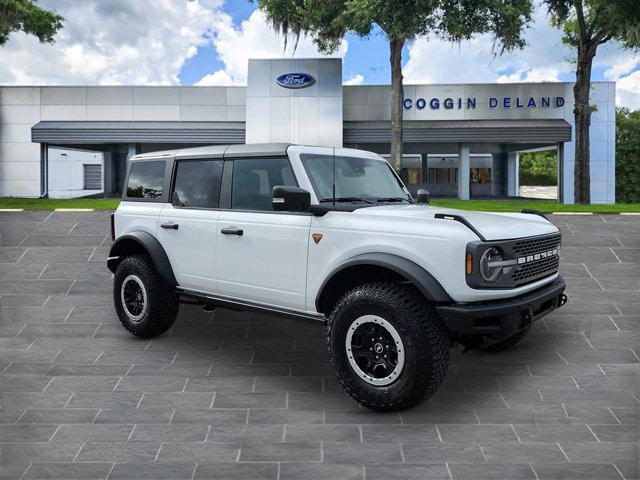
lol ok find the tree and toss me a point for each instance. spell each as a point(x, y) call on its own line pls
point(328, 21)
point(627, 155)
point(28, 17)
point(587, 24)
point(539, 168)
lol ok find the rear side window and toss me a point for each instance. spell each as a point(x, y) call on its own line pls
point(146, 179)
point(254, 179)
point(197, 183)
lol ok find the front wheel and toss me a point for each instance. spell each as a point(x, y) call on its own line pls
point(387, 345)
point(146, 305)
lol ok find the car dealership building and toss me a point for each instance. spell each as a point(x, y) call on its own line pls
point(459, 139)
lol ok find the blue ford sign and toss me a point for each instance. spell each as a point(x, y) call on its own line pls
point(295, 80)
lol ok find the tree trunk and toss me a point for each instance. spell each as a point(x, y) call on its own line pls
point(397, 98)
point(582, 115)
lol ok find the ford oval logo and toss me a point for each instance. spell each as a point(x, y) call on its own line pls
point(295, 80)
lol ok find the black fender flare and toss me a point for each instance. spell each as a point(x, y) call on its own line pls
point(414, 273)
point(151, 245)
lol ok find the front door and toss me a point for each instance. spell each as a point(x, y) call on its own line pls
point(262, 254)
point(188, 226)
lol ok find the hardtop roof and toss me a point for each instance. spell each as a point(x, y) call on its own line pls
point(219, 151)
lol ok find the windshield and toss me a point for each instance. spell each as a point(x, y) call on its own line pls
point(356, 178)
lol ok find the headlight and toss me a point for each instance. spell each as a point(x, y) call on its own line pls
point(490, 273)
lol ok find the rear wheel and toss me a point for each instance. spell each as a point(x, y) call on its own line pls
point(146, 305)
point(387, 345)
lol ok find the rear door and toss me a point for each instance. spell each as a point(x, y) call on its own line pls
point(188, 225)
point(262, 254)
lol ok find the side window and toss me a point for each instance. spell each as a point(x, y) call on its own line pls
point(254, 179)
point(197, 183)
point(146, 179)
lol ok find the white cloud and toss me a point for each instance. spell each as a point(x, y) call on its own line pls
point(436, 61)
point(628, 91)
point(622, 65)
point(219, 77)
point(253, 39)
point(114, 42)
point(531, 75)
point(357, 79)
point(545, 58)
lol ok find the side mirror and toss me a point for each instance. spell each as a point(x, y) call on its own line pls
point(290, 199)
point(422, 196)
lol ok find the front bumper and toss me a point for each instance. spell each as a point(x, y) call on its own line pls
point(495, 319)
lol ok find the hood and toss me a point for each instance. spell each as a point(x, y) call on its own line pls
point(491, 225)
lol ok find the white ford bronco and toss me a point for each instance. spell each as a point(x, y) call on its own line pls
point(333, 235)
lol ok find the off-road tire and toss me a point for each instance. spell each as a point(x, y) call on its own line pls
point(425, 339)
point(508, 342)
point(162, 301)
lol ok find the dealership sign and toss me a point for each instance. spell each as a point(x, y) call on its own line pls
point(469, 103)
point(295, 80)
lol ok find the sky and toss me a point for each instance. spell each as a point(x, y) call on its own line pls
point(208, 42)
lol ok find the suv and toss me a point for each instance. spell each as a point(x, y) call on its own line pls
point(333, 235)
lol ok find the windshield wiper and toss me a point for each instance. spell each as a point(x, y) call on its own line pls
point(393, 199)
point(343, 199)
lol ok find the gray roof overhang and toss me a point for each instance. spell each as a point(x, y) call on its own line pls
point(435, 131)
point(88, 132)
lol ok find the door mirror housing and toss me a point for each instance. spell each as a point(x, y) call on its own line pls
point(290, 199)
point(422, 196)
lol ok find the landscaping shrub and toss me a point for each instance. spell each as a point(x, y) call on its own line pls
point(539, 168)
point(627, 156)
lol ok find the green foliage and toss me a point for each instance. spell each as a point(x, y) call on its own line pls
point(327, 21)
point(586, 22)
point(28, 17)
point(627, 155)
point(539, 168)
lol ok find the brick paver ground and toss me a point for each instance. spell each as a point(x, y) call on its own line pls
point(239, 395)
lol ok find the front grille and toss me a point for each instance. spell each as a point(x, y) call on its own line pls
point(537, 245)
point(534, 270)
point(530, 272)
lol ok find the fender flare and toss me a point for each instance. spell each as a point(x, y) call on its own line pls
point(417, 275)
point(151, 245)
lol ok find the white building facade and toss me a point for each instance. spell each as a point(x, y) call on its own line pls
point(460, 140)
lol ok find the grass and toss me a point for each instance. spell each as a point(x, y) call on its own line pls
point(481, 205)
point(51, 204)
point(543, 206)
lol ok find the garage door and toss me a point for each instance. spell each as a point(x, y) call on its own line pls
point(92, 177)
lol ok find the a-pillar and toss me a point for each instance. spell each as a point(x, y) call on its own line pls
point(463, 171)
point(512, 174)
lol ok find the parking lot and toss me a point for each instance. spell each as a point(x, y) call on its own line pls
point(241, 395)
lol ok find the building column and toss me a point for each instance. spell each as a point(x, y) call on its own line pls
point(463, 171)
point(513, 167)
point(44, 170)
point(561, 176)
point(131, 150)
point(107, 173)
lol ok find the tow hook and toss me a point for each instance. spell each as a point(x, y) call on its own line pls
point(207, 307)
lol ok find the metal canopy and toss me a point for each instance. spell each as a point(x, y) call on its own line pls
point(436, 131)
point(137, 132)
point(453, 131)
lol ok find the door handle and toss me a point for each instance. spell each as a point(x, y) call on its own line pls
point(232, 231)
point(169, 226)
